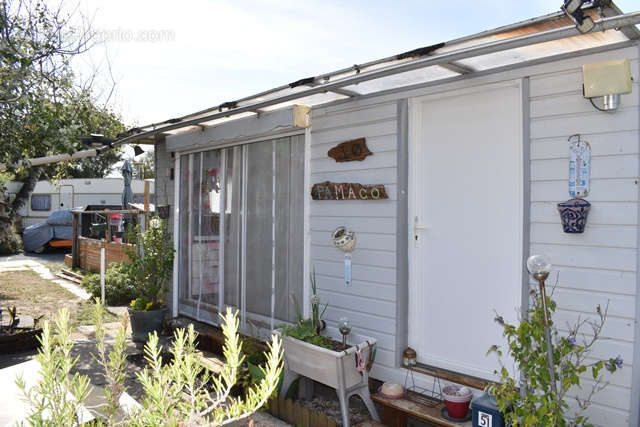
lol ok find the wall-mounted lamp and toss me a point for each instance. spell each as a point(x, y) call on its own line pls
point(573, 9)
point(607, 80)
point(137, 150)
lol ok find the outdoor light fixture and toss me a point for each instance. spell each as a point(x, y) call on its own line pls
point(573, 9)
point(539, 267)
point(607, 80)
point(137, 150)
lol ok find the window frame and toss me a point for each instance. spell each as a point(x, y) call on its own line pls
point(48, 196)
point(263, 323)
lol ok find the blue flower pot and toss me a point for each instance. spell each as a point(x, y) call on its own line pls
point(573, 214)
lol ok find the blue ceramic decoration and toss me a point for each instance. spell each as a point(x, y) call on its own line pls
point(573, 214)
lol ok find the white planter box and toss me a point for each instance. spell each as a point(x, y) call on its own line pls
point(323, 365)
point(337, 369)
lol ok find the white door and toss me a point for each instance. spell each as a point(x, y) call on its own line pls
point(66, 197)
point(465, 224)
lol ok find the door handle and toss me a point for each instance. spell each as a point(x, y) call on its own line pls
point(417, 229)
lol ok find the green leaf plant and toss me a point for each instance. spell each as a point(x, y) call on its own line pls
point(181, 392)
point(528, 399)
point(176, 393)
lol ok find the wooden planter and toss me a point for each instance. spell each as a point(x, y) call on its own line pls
point(297, 415)
point(23, 340)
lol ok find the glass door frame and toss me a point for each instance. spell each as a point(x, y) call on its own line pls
point(245, 317)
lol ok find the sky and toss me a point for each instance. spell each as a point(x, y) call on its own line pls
point(171, 58)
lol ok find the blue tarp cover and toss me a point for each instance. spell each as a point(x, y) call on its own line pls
point(36, 236)
point(62, 232)
point(60, 217)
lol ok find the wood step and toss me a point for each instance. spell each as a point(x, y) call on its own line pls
point(72, 273)
point(69, 278)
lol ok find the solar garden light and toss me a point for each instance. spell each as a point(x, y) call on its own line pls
point(539, 267)
point(345, 329)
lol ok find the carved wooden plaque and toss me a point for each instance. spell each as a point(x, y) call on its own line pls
point(348, 151)
point(347, 191)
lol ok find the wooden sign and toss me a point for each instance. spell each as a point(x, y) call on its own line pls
point(348, 151)
point(347, 191)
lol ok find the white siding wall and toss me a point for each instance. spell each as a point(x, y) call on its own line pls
point(601, 264)
point(592, 268)
point(369, 302)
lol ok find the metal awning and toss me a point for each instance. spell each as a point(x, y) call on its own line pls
point(529, 40)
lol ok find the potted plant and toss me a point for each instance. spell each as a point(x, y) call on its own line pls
point(310, 354)
point(150, 270)
point(15, 336)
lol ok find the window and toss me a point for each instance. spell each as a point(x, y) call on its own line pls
point(41, 202)
point(241, 230)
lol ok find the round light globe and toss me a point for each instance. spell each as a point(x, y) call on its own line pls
point(538, 264)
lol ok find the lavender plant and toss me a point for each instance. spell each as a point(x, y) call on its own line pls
point(531, 401)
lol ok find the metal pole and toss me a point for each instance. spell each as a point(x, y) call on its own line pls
point(102, 272)
point(541, 277)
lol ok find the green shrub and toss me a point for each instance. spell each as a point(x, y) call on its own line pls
point(118, 285)
point(10, 241)
point(151, 267)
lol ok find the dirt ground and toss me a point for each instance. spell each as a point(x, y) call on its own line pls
point(34, 296)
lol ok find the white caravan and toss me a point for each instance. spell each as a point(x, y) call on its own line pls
point(49, 196)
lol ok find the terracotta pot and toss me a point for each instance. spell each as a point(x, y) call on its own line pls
point(573, 214)
point(145, 322)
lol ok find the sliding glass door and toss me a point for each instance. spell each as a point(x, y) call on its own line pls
point(241, 231)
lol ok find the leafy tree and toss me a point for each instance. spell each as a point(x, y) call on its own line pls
point(42, 110)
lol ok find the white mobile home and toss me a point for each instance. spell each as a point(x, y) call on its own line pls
point(48, 196)
point(462, 153)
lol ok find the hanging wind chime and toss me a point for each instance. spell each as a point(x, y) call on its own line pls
point(345, 240)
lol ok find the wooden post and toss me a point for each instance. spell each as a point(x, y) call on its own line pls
point(107, 233)
point(74, 241)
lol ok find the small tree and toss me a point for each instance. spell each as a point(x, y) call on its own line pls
point(532, 401)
